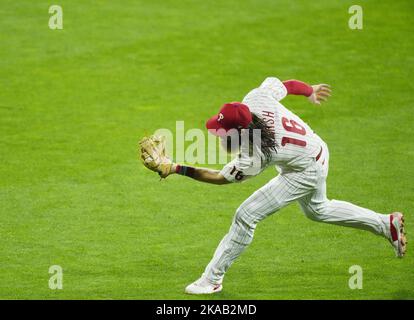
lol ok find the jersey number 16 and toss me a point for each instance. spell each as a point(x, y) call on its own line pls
point(293, 126)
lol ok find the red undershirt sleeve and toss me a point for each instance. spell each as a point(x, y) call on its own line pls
point(297, 87)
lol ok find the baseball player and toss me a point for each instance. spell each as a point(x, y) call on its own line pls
point(302, 159)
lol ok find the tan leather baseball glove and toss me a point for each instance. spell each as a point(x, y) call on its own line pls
point(153, 156)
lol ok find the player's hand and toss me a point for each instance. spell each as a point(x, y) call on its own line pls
point(321, 92)
point(153, 156)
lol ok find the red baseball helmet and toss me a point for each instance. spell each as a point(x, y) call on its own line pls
point(234, 115)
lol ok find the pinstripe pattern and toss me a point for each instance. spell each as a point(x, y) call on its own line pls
point(264, 102)
point(301, 179)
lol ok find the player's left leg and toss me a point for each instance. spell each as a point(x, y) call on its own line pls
point(276, 194)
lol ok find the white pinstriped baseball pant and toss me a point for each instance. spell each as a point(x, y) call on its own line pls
point(309, 189)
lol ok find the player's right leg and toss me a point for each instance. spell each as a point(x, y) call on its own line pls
point(318, 207)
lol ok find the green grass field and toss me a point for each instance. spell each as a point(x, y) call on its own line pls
point(74, 102)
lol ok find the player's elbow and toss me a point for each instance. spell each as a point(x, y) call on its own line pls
point(221, 180)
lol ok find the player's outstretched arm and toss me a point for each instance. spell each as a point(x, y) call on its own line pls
point(315, 93)
point(152, 151)
point(199, 174)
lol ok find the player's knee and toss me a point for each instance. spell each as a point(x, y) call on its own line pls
point(315, 211)
point(309, 213)
point(244, 218)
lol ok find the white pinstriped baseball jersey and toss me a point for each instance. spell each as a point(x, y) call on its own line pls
point(297, 144)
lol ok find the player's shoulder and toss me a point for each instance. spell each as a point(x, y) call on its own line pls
point(272, 82)
point(270, 89)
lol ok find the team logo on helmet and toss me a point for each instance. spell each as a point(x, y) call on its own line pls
point(220, 117)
